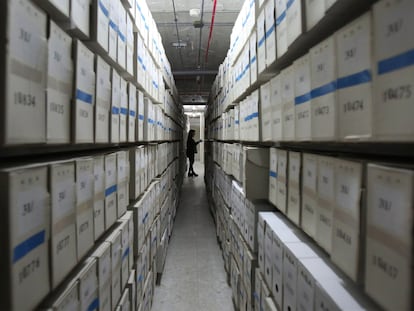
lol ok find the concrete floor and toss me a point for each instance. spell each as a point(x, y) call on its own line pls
point(194, 276)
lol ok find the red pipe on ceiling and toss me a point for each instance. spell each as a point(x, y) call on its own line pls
point(211, 29)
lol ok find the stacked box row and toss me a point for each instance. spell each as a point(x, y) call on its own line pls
point(328, 93)
point(70, 88)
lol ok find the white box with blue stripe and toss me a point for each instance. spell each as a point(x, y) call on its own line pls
point(102, 100)
point(99, 196)
point(122, 27)
point(110, 190)
point(84, 94)
point(273, 176)
point(261, 40)
point(281, 27)
point(303, 111)
point(79, 24)
point(265, 112)
point(115, 107)
point(295, 19)
point(25, 221)
point(270, 32)
point(394, 70)
point(99, 38)
point(294, 186)
point(354, 84)
point(123, 111)
point(113, 31)
point(63, 219)
point(323, 93)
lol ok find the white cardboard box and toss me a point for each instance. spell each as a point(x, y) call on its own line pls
point(389, 239)
point(65, 298)
point(130, 47)
point(59, 85)
point(104, 269)
point(88, 285)
point(123, 111)
point(394, 79)
point(294, 20)
point(83, 129)
point(84, 205)
point(25, 265)
point(282, 178)
point(334, 294)
point(256, 172)
point(79, 19)
point(110, 190)
point(270, 32)
point(315, 11)
point(121, 54)
point(288, 103)
point(115, 107)
point(100, 25)
point(273, 176)
point(294, 185)
point(59, 10)
point(354, 52)
point(347, 217)
point(115, 240)
point(132, 116)
point(323, 83)
point(276, 100)
point(253, 57)
point(99, 196)
point(281, 27)
point(265, 112)
point(24, 115)
point(303, 110)
point(103, 100)
point(326, 201)
point(63, 220)
point(113, 30)
point(140, 114)
point(309, 194)
point(293, 254)
point(261, 40)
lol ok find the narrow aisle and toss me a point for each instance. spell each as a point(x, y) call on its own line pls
point(194, 276)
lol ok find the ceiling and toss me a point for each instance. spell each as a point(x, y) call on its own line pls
point(192, 73)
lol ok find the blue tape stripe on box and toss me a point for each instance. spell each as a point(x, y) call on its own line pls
point(132, 113)
point(121, 36)
point(354, 79)
point(113, 25)
point(141, 117)
point(289, 3)
point(396, 62)
point(237, 122)
point(83, 96)
point(103, 9)
point(262, 40)
point(253, 60)
point(28, 245)
point(124, 111)
point(94, 305)
point(140, 60)
point(270, 31)
point(126, 253)
point(272, 174)
point(115, 110)
point(280, 19)
point(255, 115)
point(303, 98)
point(110, 190)
point(324, 89)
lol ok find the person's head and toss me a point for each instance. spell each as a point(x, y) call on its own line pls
point(191, 134)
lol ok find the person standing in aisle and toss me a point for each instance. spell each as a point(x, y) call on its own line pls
point(191, 151)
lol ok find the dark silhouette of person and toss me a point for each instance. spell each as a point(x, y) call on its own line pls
point(191, 150)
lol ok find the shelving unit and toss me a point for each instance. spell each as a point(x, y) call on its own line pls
point(331, 190)
point(91, 154)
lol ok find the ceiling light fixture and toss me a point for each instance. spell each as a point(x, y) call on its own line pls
point(195, 12)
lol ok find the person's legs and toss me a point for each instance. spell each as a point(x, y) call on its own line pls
point(190, 169)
